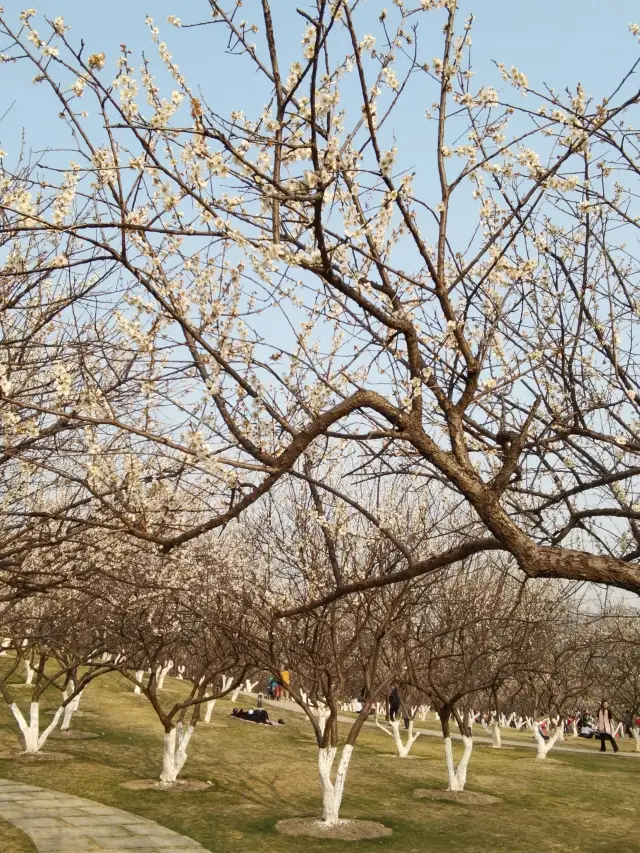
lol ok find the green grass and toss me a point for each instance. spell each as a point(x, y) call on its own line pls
point(13, 840)
point(572, 803)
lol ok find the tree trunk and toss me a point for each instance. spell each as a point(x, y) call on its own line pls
point(139, 677)
point(175, 752)
point(332, 791)
point(457, 776)
point(29, 673)
point(69, 711)
point(163, 673)
point(211, 704)
point(544, 747)
point(394, 731)
point(496, 736)
point(636, 737)
point(33, 740)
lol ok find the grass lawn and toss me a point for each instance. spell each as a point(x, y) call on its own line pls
point(572, 803)
point(13, 840)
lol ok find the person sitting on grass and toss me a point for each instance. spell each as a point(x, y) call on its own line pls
point(585, 726)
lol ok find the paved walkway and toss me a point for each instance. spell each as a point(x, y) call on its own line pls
point(59, 823)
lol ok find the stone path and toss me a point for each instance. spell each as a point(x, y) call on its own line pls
point(59, 823)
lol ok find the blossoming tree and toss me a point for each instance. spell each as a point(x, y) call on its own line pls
point(292, 272)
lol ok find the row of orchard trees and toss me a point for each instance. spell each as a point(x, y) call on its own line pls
point(470, 639)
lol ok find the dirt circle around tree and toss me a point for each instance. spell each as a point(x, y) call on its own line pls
point(472, 798)
point(73, 734)
point(182, 786)
point(345, 830)
point(39, 756)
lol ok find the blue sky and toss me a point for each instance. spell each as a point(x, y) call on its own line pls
point(558, 42)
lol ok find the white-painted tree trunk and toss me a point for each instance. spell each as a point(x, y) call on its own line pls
point(139, 677)
point(175, 752)
point(321, 714)
point(161, 673)
point(180, 675)
point(250, 686)
point(457, 775)
point(235, 694)
point(210, 705)
point(544, 747)
point(69, 711)
point(332, 791)
point(636, 736)
point(394, 731)
point(496, 736)
point(574, 728)
point(29, 673)
point(33, 740)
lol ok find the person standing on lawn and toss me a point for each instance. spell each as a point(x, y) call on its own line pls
point(606, 727)
point(285, 678)
point(394, 703)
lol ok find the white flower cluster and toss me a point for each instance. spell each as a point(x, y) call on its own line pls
point(63, 202)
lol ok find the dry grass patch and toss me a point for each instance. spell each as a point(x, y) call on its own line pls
point(14, 840)
point(472, 798)
point(73, 734)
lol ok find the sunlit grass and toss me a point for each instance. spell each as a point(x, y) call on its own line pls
point(13, 840)
point(572, 803)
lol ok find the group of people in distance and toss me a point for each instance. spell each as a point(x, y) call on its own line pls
point(604, 730)
point(277, 687)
